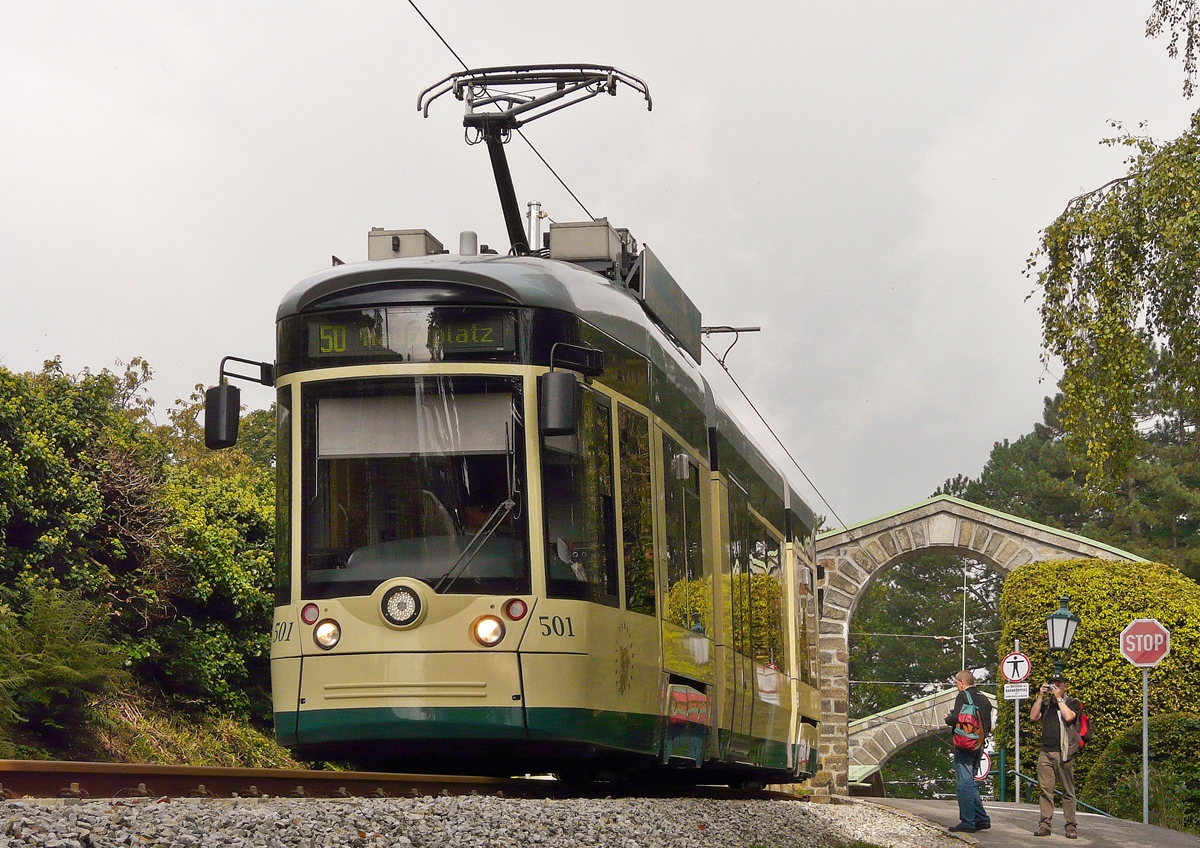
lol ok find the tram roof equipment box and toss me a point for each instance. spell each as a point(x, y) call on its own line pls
point(600, 247)
point(398, 244)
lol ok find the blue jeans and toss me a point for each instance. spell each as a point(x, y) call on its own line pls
point(970, 805)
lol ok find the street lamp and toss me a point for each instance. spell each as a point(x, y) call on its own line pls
point(1060, 628)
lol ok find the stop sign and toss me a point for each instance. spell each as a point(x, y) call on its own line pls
point(1145, 642)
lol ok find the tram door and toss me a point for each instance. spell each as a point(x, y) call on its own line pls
point(739, 592)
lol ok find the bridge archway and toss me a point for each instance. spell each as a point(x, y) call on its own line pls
point(850, 559)
point(873, 739)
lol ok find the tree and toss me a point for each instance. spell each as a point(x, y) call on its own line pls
point(905, 631)
point(173, 542)
point(1180, 18)
point(1120, 274)
point(1154, 511)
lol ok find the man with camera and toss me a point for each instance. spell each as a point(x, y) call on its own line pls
point(1059, 715)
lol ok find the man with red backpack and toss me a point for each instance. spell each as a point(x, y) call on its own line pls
point(1061, 740)
point(971, 719)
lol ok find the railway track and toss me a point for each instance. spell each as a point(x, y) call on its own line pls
point(75, 780)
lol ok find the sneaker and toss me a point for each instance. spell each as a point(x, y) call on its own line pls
point(987, 825)
point(1044, 830)
point(962, 828)
point(1071, 834)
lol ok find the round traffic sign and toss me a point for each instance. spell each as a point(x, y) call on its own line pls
point(1015, 667)
point(1145, 642)
point(985, 766)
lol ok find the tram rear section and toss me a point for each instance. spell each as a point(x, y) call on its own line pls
point(519, 532)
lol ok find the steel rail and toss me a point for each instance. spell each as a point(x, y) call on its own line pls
point(87, 780)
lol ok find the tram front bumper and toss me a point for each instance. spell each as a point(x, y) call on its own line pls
point(451, 695)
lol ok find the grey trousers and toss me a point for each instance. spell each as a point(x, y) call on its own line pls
point(1050, 768)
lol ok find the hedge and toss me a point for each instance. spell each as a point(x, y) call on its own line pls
point(1106, 595)
point(1114, 783)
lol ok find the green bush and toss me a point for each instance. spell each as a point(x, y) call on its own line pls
point(1106, 595)
point(54, 658)
point(172, 540)
point(1114, 783)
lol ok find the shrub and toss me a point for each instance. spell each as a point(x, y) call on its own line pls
point(1114, 783)
point(1106, 595)
point(55, 659)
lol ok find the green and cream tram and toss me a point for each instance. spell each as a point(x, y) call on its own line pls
point(518, 532)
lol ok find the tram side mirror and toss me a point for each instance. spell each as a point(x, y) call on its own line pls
point(222, 404)
point(556, 403)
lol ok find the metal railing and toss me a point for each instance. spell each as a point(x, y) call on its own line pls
point(1031, 783)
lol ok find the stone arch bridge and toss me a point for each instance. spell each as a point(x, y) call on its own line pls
point(871, 741)
point(850, 559)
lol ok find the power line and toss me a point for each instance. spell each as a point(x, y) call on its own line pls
point(556, 176)
point(521, 134)
point(729, 373)
point(439, 35)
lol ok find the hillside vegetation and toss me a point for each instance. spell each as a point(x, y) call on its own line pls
point(135, 573)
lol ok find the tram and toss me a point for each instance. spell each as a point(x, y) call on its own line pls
point(518, 532)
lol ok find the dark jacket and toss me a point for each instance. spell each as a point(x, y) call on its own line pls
point(982, 704)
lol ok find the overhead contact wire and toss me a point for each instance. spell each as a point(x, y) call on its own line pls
point(729, 374)
point(521, 134)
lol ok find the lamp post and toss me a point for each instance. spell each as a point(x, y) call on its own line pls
point(1060, 628)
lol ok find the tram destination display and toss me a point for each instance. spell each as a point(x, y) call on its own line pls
point(416, 335)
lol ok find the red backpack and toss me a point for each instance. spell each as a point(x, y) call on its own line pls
point(968, 730)
point(1085, 729)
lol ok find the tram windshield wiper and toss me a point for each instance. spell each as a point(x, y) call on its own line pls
point(501, 512)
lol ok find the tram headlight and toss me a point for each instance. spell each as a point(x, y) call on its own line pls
point(310, 613)
point(401, 606)
point(488, 630)
point(516, 609)
point(327, 633)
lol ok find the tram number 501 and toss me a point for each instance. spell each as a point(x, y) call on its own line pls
point(557, 625)
point(283, 631)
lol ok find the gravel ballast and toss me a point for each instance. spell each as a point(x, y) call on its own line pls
point(461, 821)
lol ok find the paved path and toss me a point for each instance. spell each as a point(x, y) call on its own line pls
point(1013, 826)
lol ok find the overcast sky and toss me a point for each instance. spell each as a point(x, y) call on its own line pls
point(864, 181)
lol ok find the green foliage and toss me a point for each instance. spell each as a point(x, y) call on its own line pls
point(922, 768)
point(172, 540)
point(1154, 512)
point(920, 598)
point(53, 431)
point(54, 658)
point(1106, 595)
point(1114, 783)
point(1179, 17)
point(1118, 270)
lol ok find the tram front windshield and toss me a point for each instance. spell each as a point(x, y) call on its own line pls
point(417, 477)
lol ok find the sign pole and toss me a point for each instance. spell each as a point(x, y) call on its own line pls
point(1017, 729)
point(1145, 642)
point(1145, 746)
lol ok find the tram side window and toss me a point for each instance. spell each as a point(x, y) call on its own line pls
point(283, 497)
point(637, 528)
point(739, 565)
point(689, 587)
point(768, 616)
point(756, 577)
point(581, 527)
